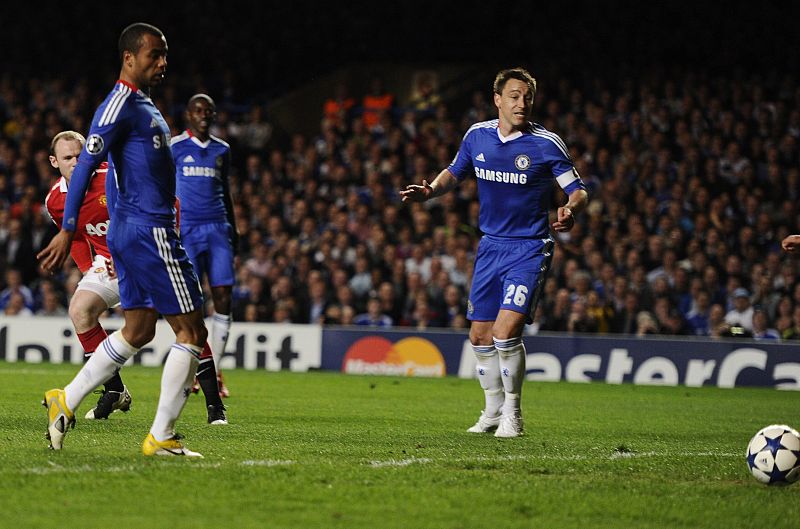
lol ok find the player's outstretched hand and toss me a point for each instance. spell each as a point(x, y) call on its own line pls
point(564, 221)
point(416, 193)
point(53, 256)
point(791, 243)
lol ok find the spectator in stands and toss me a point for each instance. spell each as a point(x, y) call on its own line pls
point(599, 311)
point(17, 251)
point(741, 315)
point(425, 97)
point(697, 319)
point(793, 332)
point(761, 329)
point(51, 305)
point(348, 315)
point(317, 302)
point(377, 103)
point(255, 133)
point(338, 108)
point(373, 317)
point(15, 306)
point(14, 286)
point(579, 319)
point(626, 320)
point(646, 324)
point(390, 304)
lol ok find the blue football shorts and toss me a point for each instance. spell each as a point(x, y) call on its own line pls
point(509, 274)
point(153, 269)
point(210, 249)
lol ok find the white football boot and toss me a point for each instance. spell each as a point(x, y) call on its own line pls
point(485, 424)
point(510, 425)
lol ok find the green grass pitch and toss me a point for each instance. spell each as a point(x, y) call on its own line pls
point(329, 450)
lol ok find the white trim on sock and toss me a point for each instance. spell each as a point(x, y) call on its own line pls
point(111, 355)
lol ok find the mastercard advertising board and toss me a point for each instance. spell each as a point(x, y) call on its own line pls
point(391, 353)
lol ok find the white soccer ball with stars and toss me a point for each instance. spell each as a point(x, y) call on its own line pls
point(773, 455)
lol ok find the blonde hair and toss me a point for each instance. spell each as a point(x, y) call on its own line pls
point(66, 135)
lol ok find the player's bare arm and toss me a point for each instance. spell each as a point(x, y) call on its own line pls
point(791, 243)
point(442, 184)
point(577, 202)
point(56, 252)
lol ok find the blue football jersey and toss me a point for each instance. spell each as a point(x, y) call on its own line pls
point(128, 129)
point(202, 178)
point(515, 177)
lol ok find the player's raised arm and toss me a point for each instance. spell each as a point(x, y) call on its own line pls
point(440, 185)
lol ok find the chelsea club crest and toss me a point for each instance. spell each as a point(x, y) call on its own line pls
point(522, 162)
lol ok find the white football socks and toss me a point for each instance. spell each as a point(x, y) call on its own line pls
point(176, 384)
point(220, 327)
point(110, 355)
point(488, 370)
point(512, 371)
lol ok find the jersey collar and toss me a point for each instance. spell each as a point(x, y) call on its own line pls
point(132, 87)
point(62, 185)
point(505, 139)
point(194, 138)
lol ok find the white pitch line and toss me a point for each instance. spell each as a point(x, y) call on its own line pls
point(400, 462)
point(584, 457)
point(266, 463)
point(55, 468)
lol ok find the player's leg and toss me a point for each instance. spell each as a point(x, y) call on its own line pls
point(96, 293)
point(175, 292)
point(488, 370)
point(484, 299)
point(137, 331)
point(176, 382)
point(110, 356)
point(220, 328)
point(507, 336)
point(195, 242)
point(524, 273)
point(221, 276)
point(207, 379)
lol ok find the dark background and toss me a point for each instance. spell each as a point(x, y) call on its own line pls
point(266, 49)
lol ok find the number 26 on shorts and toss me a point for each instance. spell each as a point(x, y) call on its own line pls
point(519, 294)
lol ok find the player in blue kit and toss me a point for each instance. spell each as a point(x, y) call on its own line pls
point(208, 226)
point(155, 275)
point(515, 162)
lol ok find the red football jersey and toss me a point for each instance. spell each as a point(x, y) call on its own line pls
point(90, 235)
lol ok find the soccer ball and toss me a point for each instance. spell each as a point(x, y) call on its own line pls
point(773, 455)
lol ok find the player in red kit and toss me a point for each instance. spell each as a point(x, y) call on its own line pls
point(98, 290)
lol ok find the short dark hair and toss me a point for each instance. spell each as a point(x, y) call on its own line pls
point(204, 97)
point(131, 37)
point(521, 74)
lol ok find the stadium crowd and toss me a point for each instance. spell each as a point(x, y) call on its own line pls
point(693, 183)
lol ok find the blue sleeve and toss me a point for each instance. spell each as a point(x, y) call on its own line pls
point(111, 188)
point(461, 166)
point(103, 134)
point(556, 155)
